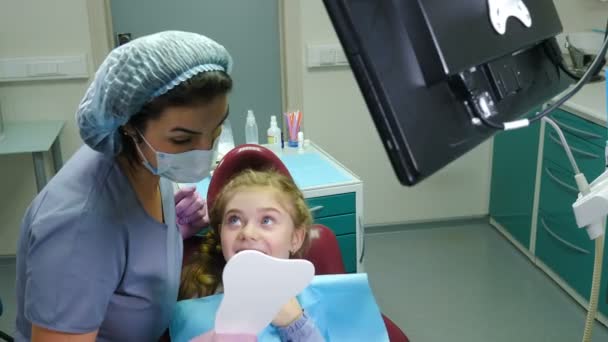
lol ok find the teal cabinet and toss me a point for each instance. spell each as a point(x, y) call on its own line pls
point(340, 224)
point(349, 254)
point(338, 213)
point(332, 205)
point(589, 157)
point(579, 127)
point(513, 177)
point(559, 244)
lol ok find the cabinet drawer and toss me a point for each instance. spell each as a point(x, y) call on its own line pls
point(582, 128)
point(332, 205)
point(573, 263)
point(340, 224)
point(557, 194)
point(570, 259)
point(560, 244)
point(348, 248)
point(589, 157)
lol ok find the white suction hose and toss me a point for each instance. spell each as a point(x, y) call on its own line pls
point(595, 287)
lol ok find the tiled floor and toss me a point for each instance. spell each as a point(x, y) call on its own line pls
point(468, 283)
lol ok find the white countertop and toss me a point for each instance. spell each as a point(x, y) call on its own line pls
point(589, 103)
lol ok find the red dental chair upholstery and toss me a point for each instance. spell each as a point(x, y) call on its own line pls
point(324, 252)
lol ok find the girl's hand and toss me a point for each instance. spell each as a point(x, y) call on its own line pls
point(289, 313)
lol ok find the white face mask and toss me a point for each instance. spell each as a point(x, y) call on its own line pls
point(186, 167)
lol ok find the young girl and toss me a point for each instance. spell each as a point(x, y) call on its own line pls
point(256, 210)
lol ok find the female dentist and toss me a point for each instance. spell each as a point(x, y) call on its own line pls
point(100, 251)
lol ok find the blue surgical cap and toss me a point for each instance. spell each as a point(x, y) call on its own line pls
point(137, 72)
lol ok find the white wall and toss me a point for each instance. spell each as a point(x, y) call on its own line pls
point(42, 28)
point(582, 15)
point(336, 117)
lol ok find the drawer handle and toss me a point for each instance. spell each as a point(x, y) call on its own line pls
point(574, 149)
point(362, 240)
point(576, 130)
point(559, 181)
point(317, 208)
point(562, 240)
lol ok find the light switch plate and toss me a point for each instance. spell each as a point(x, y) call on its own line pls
point(325, 55)
point(43, 68)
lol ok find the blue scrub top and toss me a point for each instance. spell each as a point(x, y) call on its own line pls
point(90, 257)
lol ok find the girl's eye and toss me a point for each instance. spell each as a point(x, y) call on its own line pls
point(267, 220)
point(233, 220)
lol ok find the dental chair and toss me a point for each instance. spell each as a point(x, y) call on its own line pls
point(3, 335)
point(324, 252)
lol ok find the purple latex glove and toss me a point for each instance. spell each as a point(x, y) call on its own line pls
point(190, 211)
point(213, 337)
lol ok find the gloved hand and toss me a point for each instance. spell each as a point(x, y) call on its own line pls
point(191, 212)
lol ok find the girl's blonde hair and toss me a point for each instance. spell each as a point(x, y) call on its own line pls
point(202, 276)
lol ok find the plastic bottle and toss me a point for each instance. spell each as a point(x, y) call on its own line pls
point(300, 141)
point(225, 140)
point(251, 129)
point(274, 133)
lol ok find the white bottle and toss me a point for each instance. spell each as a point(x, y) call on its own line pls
point(251, 129)
point(274, 133)
point(300, 141)
point(225, 142)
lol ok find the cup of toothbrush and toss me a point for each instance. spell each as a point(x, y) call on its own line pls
point(293, 120)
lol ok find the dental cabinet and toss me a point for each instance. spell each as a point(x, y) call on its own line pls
point(533, 189)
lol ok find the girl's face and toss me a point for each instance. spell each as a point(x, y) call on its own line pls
point(258, 218)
